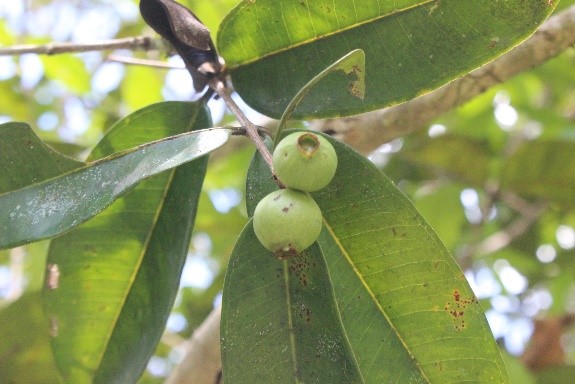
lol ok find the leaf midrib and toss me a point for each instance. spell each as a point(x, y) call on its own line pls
point(292, 340)
point(145, 248)
point(375, 301)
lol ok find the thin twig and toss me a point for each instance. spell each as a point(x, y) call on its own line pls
point(143, 62)
point(503, 238)
point(529, 213)
point(252, 130)
point(145, 43)
point(202, 359)
point(517, 203)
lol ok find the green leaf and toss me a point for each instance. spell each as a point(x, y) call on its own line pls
point(18, 104)
point(69, 70)
point(51, 207)
point(26, 160)
point(518, 372)
point(561, 374)
point(280, 319)
point(136, 96)
point(543, 169)
point(25, 343)
point(111, 282)
point(442, 210)
point(398, 283)
point(457, 156)
point(6, 35)
point(274, 47)
point(404, 305)
point(353, 63)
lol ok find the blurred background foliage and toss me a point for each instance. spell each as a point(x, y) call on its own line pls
point(495, 178)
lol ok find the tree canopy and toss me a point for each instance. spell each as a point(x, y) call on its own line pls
point(464, 114)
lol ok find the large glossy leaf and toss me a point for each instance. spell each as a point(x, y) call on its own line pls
point(403, 305)
point(26, 160)
point(280, 319)
point(274, 47)
point(395, 272)
point(55, 205)
point(25, 343)
point(112, 281)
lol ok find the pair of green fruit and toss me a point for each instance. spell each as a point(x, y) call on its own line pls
point(289, 220)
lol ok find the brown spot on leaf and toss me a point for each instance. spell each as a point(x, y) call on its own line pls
point(305, 313)
point(299, 267)
point(457, 309)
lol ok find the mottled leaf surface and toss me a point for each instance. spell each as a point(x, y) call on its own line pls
point(280, 319)
point(50, 207)
point(404, 307)
point(274, 47)
point(111, 282)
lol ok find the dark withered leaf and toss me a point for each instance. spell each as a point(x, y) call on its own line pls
point(189, 37)
point(174, 22)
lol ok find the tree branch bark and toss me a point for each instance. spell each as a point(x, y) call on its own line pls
point(366, 132)
point(145, 43)
point(202, 362)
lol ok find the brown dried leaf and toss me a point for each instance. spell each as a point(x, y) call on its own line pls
point(190, 38)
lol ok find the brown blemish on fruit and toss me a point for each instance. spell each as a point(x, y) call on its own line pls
point(287, 208)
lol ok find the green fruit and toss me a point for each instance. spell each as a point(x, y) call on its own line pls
point(287, 221)
point(304, 161)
